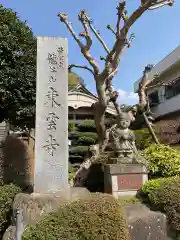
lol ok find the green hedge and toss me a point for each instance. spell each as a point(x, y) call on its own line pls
point(76, 135)
point(7, 194)
point(143, 138)
point(86, 141)
point(98, 217)
point(79, 150)
point(163, 161)
point(164, 195)
point(71, 126)
point(87, 126)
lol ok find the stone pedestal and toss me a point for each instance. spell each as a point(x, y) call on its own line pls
point(124, 179)
point(33, 207)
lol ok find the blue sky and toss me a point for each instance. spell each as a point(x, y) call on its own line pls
point(157, 34)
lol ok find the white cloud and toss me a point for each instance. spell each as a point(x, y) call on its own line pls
point(127, 97)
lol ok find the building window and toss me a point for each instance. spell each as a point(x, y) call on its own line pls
point(153, 99)
point(173, 89)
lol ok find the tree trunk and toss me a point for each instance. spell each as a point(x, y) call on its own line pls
point(151, 130)
point(99, 111)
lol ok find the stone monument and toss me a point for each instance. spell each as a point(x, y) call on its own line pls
point(128, 173)
point(51, 147)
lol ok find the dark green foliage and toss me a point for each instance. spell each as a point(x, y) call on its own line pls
point(165, 197)
point(71, 172)
point(79, 150)
point(87, 126)
point(7, 194)
point(81, 138)
point(95, 179)
point(163, 161)
point(143, 138)
point(71, 126)
point(86, 141)
point(17, 70)
point(76, 135)
point(98, 217)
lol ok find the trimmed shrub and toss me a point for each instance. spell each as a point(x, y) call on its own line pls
point(79, 150)
point(71, 126)
point(72, 172)
point(99, 217)
point(87, 126)
point(163, 161)
point(76, 135)
point(86, 141)
point(166, 198)
point(152, 185)
point(143, 138)
point(7, 194)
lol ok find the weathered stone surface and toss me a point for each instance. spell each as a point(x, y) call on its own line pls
point(35, 206)
point(51, 148)
point(10, 233)
point(145, 224)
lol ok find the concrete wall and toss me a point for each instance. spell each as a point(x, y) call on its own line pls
point(163, 65)
point(167, 105)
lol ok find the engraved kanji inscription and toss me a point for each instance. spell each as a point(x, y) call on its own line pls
point(51, 145)
point(60, 50)
point(53, 69)
point(52, 98)
point(56, 59)
point(51, 121)
point(52, 58)
point(52, 79)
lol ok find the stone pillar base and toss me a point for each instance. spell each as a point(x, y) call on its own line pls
point(33, 207)
point(124, 179)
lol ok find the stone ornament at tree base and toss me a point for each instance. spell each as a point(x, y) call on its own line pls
point(122, 140)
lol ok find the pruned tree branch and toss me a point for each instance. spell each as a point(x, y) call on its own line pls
point(83, 19)
point(111, 29)
point(79, 66)
point(96, 33)
point(121, 15)
point(63, 18)
point(122, 39)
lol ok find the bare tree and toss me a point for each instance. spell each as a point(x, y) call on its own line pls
point(123, 40)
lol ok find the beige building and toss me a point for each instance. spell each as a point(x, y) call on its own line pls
point(165, 100)
point(80, 101)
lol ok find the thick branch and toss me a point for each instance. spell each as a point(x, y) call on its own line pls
point(135, 15)
point(121, 41)
point(78, 66)
point(121, 15)
point(63, 18)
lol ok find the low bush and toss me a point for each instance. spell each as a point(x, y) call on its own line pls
point(87, 126)
point(79, 150)
point(86, 141)
point(143, 138)
point(166, 198)
point(98, 217)
point(162, 160)
point(7, 194)
point(152, 185)
point(71, 126)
